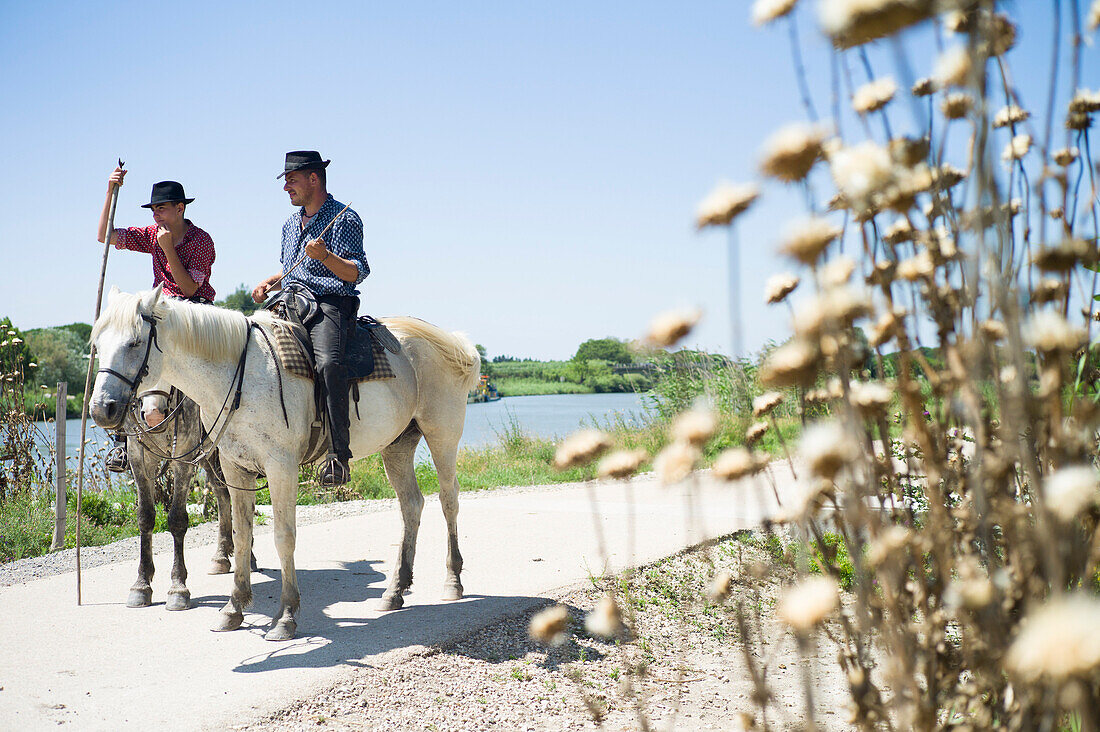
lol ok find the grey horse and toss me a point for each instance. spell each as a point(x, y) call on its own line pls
point(148, 450)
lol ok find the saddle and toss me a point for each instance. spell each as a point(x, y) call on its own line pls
point(364, 356)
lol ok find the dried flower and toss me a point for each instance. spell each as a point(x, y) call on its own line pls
point(605, 621)
point(791, 151)
point(675, 462)
point(898, 232)
point(1069, 491)
point(725, 203)
point(1058, 640)
point(917, 267)
point(953, 67)
point(1085, 101)
point(792, 364)
point(957, 105)
point(779, 286)
point(994, 330)
point(1049, 332)
point(1066, 155)
point(891, 540)
point(695, 426)
point(1093, 21)
point(550, 626)
point(755, 431)
point(908, 151)
point(766, 11)
point(1017, 148)
point(837, 271)
point(860, 170)
point(853, 22)
point(807, 240)
point(765, 403)
point(808, 603)
point(948, 176)
point(827, 448)
point(874, 95)
point(581, 448)
point(669, 327)
point(720, 586)
point(871, 397)
point(1079, 121)
point(1048, 289)
point(621, 463)
point(737, 462)
point(1064, 256)
point(1010, 115)
point(923, 87)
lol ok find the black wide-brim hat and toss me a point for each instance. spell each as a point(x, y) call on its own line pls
point(303, 160)
point(167, 191)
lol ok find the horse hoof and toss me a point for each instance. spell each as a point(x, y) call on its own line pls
point(220, 566)
point(254, 565)
point(283, 631)
point(452, 592)
point(228, 621)
point(140, 598)
point(391, 602)
point(178, 600)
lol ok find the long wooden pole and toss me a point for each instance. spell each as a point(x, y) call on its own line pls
point(88, 380)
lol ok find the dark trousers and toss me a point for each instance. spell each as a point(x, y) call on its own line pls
point(330, 330)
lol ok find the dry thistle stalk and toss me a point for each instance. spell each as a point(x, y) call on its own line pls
point(669, 328)
point(725, 203)
point(550, 626)
point(621, 464)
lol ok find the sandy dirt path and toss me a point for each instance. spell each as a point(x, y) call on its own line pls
point(104, 666)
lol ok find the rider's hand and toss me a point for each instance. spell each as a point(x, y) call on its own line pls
point(164, 238)
point(259, 294)
point(116, 177)
point(316, 249)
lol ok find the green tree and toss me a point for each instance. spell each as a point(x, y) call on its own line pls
point(612, 350)
point(239, 299)
point(60, 356)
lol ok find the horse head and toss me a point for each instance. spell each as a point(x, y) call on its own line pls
point(125, 336)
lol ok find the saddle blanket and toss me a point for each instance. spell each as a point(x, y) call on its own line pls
point(295, 361)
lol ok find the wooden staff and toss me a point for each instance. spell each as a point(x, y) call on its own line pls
point(88, 379)
point(303, 257)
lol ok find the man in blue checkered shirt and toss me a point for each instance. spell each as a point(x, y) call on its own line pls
point(331, 269)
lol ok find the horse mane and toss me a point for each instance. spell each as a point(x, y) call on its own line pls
point(455, 348)
point(204, 330)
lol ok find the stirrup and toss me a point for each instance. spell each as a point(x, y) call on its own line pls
point(116, 461)
point(334, 472)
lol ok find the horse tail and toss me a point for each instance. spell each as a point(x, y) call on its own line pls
point(455, 348)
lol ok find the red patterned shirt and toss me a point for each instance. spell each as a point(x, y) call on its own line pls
point(195, 249)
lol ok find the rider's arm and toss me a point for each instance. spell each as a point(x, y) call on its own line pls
point(347, 249)
point(115, 179)
point(259, 294)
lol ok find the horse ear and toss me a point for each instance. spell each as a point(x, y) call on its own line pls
point(150, 299)
point(114, 291)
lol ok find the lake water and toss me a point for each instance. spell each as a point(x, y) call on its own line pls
point(554, 415)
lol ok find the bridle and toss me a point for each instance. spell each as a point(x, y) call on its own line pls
point(205, 446)
point(143, 370)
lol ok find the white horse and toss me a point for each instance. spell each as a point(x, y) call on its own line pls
point(212, 355)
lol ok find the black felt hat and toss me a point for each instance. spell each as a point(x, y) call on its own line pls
point(303, 160)
point(167, 191)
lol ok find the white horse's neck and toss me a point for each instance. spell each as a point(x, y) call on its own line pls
point(205, 380)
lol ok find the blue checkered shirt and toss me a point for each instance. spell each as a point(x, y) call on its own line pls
point(344, 239)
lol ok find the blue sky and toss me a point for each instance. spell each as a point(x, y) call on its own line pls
point(527, 173)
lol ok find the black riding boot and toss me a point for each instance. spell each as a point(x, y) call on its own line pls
point(330, 335)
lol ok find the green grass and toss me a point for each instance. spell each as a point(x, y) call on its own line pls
point(533, 387)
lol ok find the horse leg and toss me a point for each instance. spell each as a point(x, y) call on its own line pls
point(445, 458)
point(283, 484)
point(397, 458)
point(141, 592)
point(219, 563)
point(179, 597)
point(244, 506)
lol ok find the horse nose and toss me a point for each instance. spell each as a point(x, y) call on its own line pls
point(107, 413)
